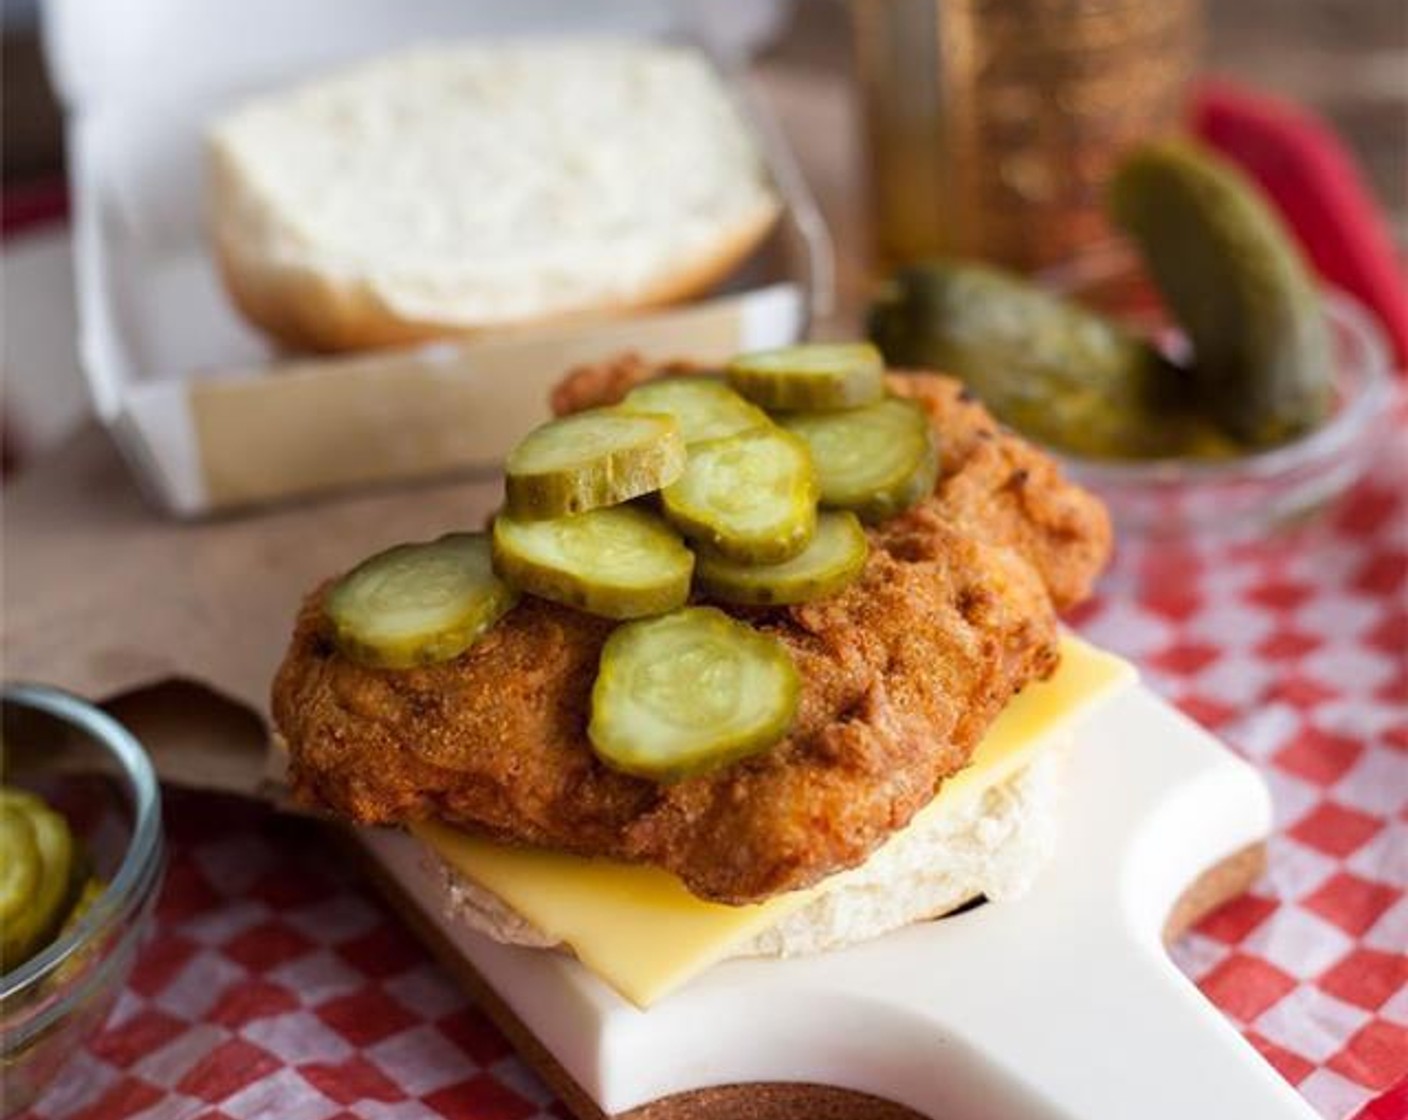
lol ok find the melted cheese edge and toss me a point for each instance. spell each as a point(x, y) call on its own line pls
point(640, 929)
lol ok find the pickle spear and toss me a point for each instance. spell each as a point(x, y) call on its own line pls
point(418, 603)
point(815, 376)
point(600, 457)
point(688, 692)
point(878, 460)
point(618, 562)
point(1051, 369)
point(751, 496)
point(834, 559)
point(1236, 282)
point(703, 407)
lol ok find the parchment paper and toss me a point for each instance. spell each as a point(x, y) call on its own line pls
point(105, 597)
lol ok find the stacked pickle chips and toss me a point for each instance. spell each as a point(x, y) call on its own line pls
point(45, 880)
point(747, 489)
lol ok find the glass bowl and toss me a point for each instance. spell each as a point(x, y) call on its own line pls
point(88, 767)
point(1252, 494)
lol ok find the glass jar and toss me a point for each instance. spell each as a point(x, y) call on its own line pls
point(994, 125)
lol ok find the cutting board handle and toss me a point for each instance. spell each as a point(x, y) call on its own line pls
point(1143, 1042)
point(1082, 1004)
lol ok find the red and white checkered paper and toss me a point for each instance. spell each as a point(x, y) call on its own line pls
point(277, 985)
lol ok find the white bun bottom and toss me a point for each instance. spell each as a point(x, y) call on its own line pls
point(990, 845)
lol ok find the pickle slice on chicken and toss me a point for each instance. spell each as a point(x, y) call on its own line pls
point(689, 692)
point(834, 559)
point(704, 407)
point(619, 562)
point(751, 497)
point(877, 461)
point(810, 377)
point(416, 604)
point(601, 457)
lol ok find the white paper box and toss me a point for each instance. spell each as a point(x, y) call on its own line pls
point(189, 389)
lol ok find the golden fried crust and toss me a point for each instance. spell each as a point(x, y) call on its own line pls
point(903, 672)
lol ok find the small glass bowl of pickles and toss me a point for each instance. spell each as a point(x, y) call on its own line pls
point(80, 828)
point(1195, 374)
point(1088, 364)
point(1230, 493)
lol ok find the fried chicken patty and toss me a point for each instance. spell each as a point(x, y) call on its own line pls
point(902, 674)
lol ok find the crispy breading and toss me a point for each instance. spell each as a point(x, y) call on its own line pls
point(902, 674)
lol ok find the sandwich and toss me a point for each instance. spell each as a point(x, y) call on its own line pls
point(760, 661)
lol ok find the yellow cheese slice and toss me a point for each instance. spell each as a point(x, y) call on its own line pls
point(642, 932)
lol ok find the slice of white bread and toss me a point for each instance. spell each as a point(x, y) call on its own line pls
point(452, 189)
point(993, 844)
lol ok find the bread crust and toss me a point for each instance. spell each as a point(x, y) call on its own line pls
point(307, 309)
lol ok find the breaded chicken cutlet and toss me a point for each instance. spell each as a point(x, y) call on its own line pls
point(902, 673)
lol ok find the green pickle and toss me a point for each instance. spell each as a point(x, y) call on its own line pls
point(813, 376)
point(416, 604)
point(619, 562)
point(704, 407)
point(689, 692)
point(1236, 282)
point(877, 461)
point(834, 559)
point(1049, 368)
point(600, 457)
point(37, 839)
point(19, 867)
point(88, 893)
point(751, 496)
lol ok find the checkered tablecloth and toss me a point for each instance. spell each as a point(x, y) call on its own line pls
point(277, 986)
point(1294, 650)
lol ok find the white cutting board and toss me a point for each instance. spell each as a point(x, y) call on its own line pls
point(1062, 1004)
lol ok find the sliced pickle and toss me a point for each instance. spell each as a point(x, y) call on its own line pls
point(878, 460)
point(703, 407)
point(89, 891)
point(600, 457)
point(812, 377)
point(751, 497)
point(416, 604)
point(689, 692)
point(29, 931)
point(21, 799)
point(834, 559)
point(19, 867)
point(619, 562)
